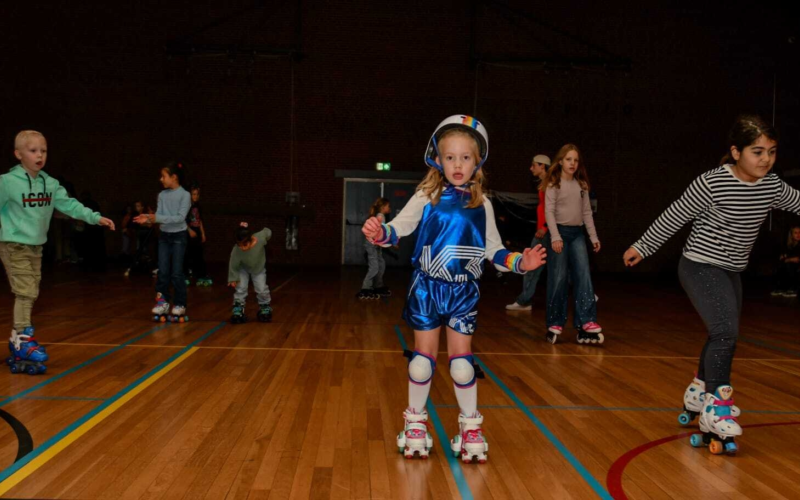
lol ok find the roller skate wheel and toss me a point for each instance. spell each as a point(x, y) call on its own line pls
point(684, 419)
point(163, 319)
point(14, 368)
point(731, 448)
point(697, 440)
point(180, 320)
point(31, 370)
point(400, 449)
point(552, 338)
point(715, 447)
point(42, 369)
point(9, 361)
point(601, 338)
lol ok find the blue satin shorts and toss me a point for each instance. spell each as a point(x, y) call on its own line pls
point(432, 302)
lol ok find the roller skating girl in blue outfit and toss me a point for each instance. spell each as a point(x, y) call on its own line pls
point(456, 235)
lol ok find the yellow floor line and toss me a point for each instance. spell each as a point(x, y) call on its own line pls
point(57, 448)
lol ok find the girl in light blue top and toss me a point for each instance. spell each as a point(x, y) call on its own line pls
point(174, 203)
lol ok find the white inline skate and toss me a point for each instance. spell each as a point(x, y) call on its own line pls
point(415, 436)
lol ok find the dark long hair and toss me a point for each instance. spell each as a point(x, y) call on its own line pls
point(745, 131)
point(176, 168)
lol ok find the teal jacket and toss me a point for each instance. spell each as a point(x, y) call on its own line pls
point(27, 203)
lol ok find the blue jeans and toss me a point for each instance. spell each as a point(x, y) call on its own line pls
point(530, 279)
point(572, 261)
point(171, 249)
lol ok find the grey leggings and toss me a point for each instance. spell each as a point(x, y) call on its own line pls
point(717, 296)
point(377, 266)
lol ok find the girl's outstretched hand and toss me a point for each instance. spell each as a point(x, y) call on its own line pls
point(372, 229)
point(144, 218)
point(631, 257)
point(107, 222)
point(533, 258)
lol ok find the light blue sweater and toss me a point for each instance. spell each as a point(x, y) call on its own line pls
point(173, 205)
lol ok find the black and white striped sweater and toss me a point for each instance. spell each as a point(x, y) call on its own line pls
point(727, 214)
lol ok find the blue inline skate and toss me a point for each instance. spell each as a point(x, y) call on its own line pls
point(26, 354)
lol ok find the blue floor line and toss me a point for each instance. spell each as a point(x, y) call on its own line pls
point(585, 474)
point(5, 474)
point(88, 362)
point(444, 440)
point(62, 398)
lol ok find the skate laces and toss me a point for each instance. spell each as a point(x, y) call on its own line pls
point(473, 435)
point(416, 424)
point(722, 409)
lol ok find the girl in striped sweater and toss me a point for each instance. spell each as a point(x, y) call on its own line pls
point(728, 205)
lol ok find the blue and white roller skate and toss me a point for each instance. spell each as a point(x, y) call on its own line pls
point(415, 436)
point(693, 402)
point(469, 443)
point(26, 354)
point(161, 309)
point(718, 425)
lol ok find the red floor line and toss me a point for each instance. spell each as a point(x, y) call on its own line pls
point(614, 477)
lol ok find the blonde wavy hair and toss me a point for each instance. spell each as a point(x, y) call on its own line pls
point(432, 185)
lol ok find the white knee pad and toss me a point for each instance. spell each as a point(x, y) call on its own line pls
point(462, 371)
point(420, 368)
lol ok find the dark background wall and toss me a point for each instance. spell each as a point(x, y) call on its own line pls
point(370, 83)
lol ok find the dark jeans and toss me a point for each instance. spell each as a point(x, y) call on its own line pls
point(531, 278)
point(717, 296)
point(171, 249)
point(572, 261)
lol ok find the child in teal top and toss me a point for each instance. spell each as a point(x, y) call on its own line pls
point(28, 197)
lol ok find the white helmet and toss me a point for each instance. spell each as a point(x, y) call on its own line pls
point(469, 125)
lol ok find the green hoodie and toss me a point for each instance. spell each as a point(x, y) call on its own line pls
point(27, 203)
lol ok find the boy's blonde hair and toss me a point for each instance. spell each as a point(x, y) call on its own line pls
point(24, 136)
point(433, 183)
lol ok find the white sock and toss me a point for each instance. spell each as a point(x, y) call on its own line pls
point(467, 399)
point(418, 395)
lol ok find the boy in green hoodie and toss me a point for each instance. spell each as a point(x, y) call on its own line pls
point(27, 199)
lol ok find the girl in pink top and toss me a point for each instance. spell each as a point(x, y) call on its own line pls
point(568, 211)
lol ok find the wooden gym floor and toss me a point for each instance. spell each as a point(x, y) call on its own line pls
point(309, 405)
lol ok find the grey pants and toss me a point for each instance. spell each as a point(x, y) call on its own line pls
point(377, 266)
point(259, 283)
point(717, 296)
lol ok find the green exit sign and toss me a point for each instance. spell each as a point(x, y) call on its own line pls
point(383, 166)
